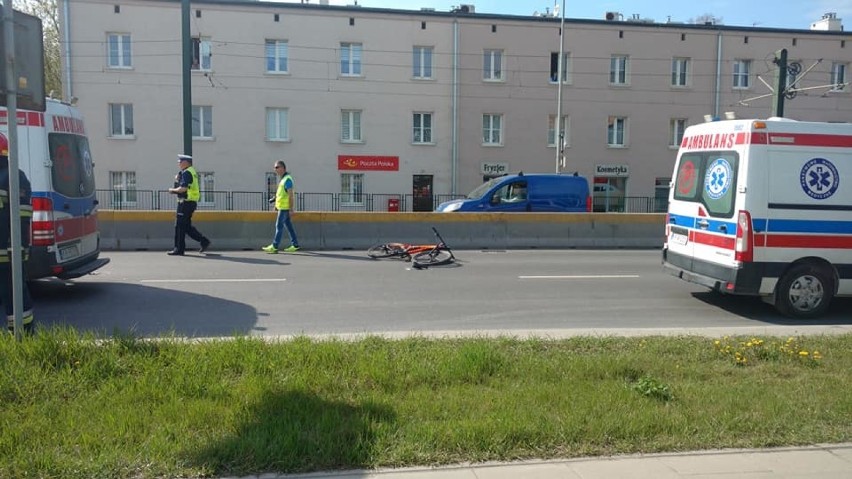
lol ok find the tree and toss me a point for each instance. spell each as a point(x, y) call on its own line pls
point(707, 18)
point(48, 12)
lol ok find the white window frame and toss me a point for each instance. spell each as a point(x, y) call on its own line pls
point(681, 71)
point(422, 60)
point(351, 189)
point(123, 186)
point(123, 51)
point(492, 65)
point(619, 70)
point(278, 53)
point(566, 68)
point(422, 133)
point(616, 132)
point(492, 129)
point(123, 114)
point(351, 59)
point(677, 127)
point(839, 76)
point(277, 124)
point(741, 71)
point(202, 115)
point(350, 126)
point(207, 188)
point(551, 131)
point(202, 54)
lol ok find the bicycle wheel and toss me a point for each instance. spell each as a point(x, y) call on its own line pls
point(386, 250)
point(435, 257)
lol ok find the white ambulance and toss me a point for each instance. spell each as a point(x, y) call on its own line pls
point(764, 207)
point(54, 153)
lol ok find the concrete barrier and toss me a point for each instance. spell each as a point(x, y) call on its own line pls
point(235, 230)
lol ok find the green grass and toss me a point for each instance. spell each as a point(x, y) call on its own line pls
point(71, 406)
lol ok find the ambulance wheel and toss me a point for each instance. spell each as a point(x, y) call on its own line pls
point(804, 292)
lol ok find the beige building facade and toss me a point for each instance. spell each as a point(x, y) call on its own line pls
point(374, 101)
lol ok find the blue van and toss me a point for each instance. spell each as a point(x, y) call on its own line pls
point(517, 193)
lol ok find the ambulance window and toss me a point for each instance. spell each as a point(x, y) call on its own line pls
point(72, 167)
point(686, 182)
point(708, 178)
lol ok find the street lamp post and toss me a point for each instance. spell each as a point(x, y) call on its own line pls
point(557, 124)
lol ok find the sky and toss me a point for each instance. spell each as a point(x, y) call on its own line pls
point(742, 13)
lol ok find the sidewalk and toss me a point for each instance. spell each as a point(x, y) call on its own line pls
point(827, 461)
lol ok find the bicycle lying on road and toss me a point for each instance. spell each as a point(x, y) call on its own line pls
point(420, 255)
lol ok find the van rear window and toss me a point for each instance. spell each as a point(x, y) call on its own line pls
point(709, 178)
point(72, 168)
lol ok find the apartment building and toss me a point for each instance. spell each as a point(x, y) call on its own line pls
point(363, 100)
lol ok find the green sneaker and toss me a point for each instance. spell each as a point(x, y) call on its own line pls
point(270, 249)
point(291, 249)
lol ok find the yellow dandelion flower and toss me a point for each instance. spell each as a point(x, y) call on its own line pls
point(803, 353)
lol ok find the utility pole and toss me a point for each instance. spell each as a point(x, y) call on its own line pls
point(780, 83)
point(557, 124)
point(187, 77)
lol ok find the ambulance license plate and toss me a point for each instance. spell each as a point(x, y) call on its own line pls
point(678, 238)
point(68, 252)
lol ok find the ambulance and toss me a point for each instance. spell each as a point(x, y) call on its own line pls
point(764, 208)
point(54, 153)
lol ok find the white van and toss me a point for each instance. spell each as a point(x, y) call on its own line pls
point(764, 207)
point(54, 153)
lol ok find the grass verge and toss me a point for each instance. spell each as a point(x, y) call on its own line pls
point(74, 407)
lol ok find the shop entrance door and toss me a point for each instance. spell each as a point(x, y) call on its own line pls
point(422, 193)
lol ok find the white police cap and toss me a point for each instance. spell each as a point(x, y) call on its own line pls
point(185, 158)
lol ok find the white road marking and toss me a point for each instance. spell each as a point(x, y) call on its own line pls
point(222, 280)
point(596, 276)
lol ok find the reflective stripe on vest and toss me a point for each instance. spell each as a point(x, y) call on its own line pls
point(193, 192)
point(282, 198)
point(27, 318)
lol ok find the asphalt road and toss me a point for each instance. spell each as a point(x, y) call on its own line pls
point(345, 292)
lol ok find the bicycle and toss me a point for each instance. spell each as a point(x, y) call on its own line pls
point(421, 255)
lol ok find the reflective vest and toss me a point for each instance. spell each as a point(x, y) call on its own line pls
point(193, 191)
point(282, 198)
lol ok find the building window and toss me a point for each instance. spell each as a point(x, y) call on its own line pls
point(492, 129)
point(276, 56)
point(120, 120)
point(616, 131)
point(351, 189)
point(552, 134)
point(123, 185)
point(206, 185)
point(422, 128)
point(277, 124)
point(554, 66)
point(422, 62)
point(618, 65)
point(838, 76)
point(741, 73)
point(350, 59)
point(350, 126)
point(202, 53)
point(202, 122)
point(118, 50)
point(677, 126)
point(492, 65)
point(680, 71)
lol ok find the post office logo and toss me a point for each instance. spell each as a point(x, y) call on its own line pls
point(718, 179)
point(819, 178)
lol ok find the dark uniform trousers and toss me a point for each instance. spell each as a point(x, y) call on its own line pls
point(183, 225)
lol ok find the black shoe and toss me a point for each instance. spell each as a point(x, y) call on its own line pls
point(204, 245)
point(175, 252)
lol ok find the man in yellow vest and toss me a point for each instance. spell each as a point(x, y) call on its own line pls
point(284, 201)
point(188, 193)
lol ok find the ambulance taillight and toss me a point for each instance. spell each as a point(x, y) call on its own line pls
point(43, 222)
point(744, 250)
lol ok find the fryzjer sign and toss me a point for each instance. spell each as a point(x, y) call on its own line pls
point(368, 163)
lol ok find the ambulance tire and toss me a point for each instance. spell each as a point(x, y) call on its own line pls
point(804, 292)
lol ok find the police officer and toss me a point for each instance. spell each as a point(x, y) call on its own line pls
point(26, 214)
point(188, 193)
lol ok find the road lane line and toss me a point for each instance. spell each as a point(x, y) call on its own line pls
point(596, 276)
point(222, 280)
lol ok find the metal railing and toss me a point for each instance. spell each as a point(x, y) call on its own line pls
point(259, 201)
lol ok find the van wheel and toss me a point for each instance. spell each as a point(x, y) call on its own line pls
point(804, 292)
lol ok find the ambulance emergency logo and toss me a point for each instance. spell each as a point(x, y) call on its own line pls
point(718, 178)
point(819, 178)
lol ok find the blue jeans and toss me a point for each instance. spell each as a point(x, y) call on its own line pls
point(282, 221)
